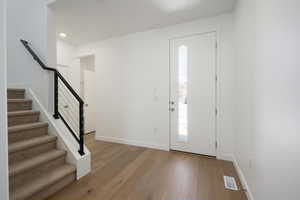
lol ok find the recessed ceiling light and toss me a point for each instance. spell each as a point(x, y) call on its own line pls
point(173, 6)
point(62, 35)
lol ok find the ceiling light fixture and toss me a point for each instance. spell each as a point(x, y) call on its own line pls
point(62, 35)
point(178, 5)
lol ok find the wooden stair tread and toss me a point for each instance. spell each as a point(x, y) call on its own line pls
point(19, 100)
point(19, 105)
point(17, 168)
point(19, 146)
point(16, 89)
point(28, 126)
point(15, 93)
point(42, 182)
point(22, 113)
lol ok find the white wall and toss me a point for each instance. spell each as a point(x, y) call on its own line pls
point(268, 103)
point(51, 54)
point(27, 20)
point(66, 57)
point(133, 69)
point(3, 106)
point(66, 53)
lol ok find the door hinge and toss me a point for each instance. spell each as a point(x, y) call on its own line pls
point(216, 111)
point(216, 78)
point(216, 144)
point(216, 45)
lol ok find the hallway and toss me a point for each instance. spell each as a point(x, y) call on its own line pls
point(122, 172)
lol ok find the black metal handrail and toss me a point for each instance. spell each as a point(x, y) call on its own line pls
point(57, 114)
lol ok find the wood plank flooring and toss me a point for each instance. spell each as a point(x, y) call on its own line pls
point(122, 172)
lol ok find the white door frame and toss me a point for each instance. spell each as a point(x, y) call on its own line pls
point(4, 182)
point(217, 86)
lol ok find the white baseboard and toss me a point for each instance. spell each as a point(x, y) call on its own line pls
point(243, 179)
point(226, 157)
point(132, 142)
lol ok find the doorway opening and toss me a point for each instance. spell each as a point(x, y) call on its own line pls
point(88, 91)
point(79, 71)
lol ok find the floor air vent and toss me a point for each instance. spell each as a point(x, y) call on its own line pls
point(230, 183)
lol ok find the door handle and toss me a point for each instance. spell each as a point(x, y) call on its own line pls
point(86, 105)
point(172, 109)
point(172, 102)
point(66, 106)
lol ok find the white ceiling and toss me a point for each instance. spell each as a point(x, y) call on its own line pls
point(86, 21)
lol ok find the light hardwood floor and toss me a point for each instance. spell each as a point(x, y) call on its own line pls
point(122, 172)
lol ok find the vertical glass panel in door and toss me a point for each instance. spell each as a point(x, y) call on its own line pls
point(182, 96)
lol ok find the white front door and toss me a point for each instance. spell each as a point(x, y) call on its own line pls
point(193, 94)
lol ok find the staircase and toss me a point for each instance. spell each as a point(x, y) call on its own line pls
point(36, 168)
